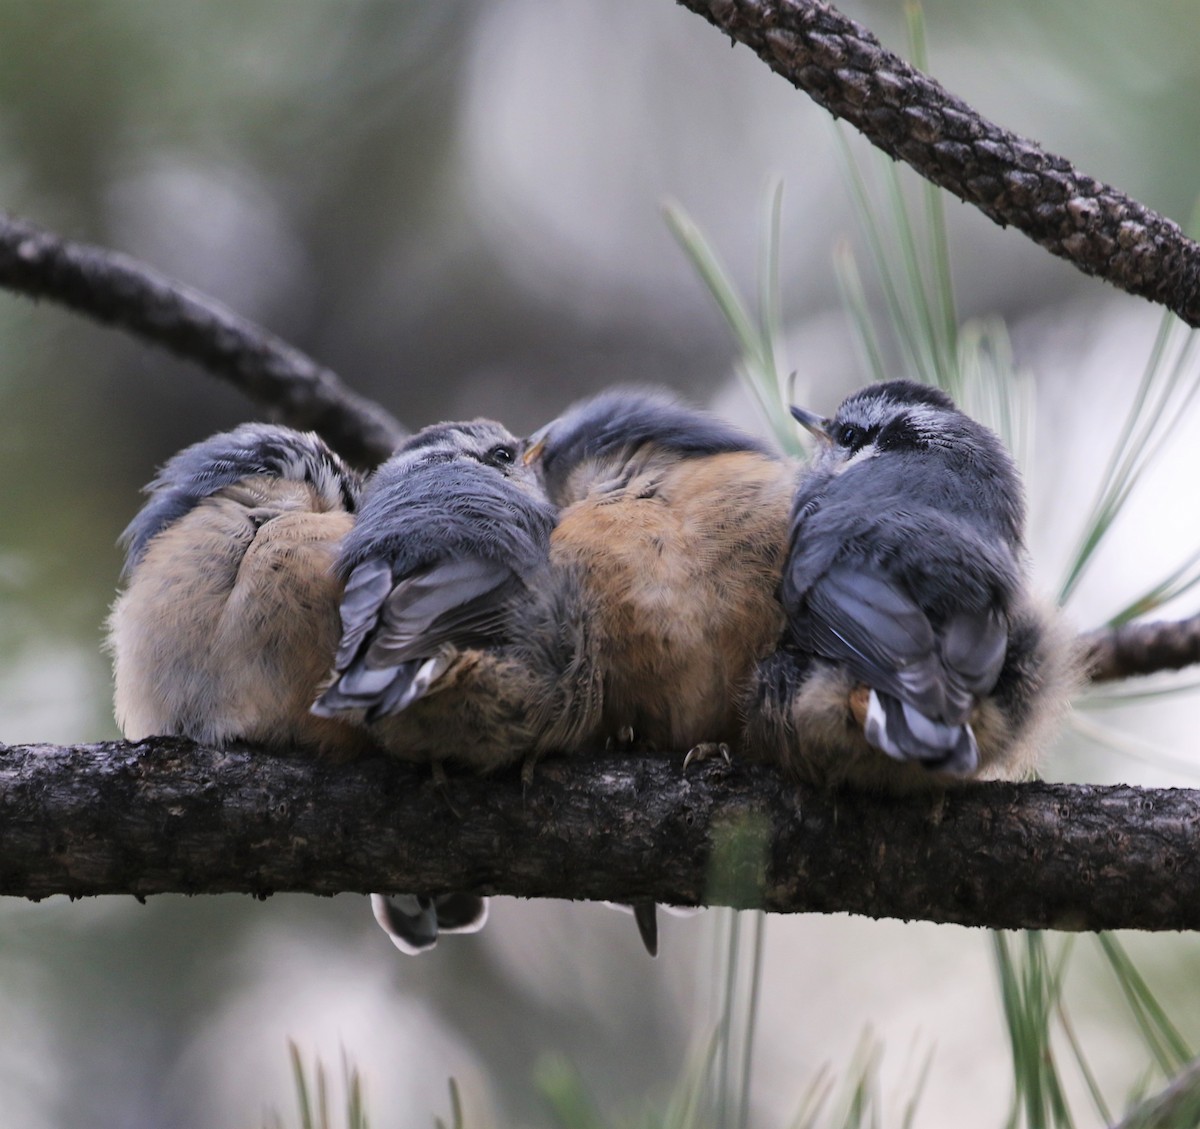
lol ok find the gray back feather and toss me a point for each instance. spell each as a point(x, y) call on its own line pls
point(616, 423)
point(414, 514)
point(906, 549)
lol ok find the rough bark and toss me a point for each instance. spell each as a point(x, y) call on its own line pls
point(1142, 648)
point(1012, 180)
point(165, 815)
point(118, 290)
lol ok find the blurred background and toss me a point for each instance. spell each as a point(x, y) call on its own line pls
point(457, 206)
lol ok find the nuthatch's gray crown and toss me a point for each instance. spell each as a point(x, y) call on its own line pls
point(204, 468)
point(452, 489)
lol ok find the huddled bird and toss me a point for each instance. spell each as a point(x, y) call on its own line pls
point(677, 523)
point(228, 617)
point(914, 653)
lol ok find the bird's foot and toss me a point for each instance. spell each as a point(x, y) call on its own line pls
point(706, 750)
point(527, 767)
point(623, 742)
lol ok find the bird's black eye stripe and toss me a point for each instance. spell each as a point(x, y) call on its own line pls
point(852, 437)
point(503, 454)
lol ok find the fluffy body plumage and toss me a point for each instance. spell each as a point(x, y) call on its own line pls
point(229, 615)
point(910, 628)
point(676, 522)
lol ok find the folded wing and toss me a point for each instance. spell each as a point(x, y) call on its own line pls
point(399, 633)
point(925, 680)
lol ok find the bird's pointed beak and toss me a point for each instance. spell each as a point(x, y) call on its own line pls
point(537, 444)
point(810, 421)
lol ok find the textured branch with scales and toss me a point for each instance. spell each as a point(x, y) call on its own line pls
point(119, 290)
point(843, 67)
point(165, 815)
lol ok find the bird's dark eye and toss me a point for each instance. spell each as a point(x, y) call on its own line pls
point(501, 455)
point(849, 436)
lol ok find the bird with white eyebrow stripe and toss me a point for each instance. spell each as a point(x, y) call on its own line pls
point(911, 631)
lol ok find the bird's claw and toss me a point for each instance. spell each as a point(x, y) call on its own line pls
point(624, 740)
point(527, 767)
point(706, 750)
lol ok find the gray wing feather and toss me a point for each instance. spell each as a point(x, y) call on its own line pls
point(366, 589)
point(858, 615)
point(974, 646)
point(447, 603)
point(392, 631)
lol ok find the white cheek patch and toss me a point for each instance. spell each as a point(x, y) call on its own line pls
point(858, 458)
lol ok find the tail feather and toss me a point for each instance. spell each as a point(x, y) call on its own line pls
point(905, 734)
point(414, 921)
point(409, 920)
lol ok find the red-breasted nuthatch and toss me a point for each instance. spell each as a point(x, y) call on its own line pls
point(228, 620)
point(677, 522)
point(677, 525)
point(460, 643)
point(914, 653)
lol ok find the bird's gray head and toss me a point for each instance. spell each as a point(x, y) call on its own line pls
point(607, 429)
point(481, 441)
point(453, 488)
point(253, 449)
point(897, 416)
point(883, 422)
point(900, 416)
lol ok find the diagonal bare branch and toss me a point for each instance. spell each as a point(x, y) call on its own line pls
point(166, 815)
point(118, 290)
point(843, 67)
point(1141, 648)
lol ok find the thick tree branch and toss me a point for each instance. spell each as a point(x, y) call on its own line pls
point(119, 290)
point(1142, 648)
point(843, 67)
point(165, 815)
